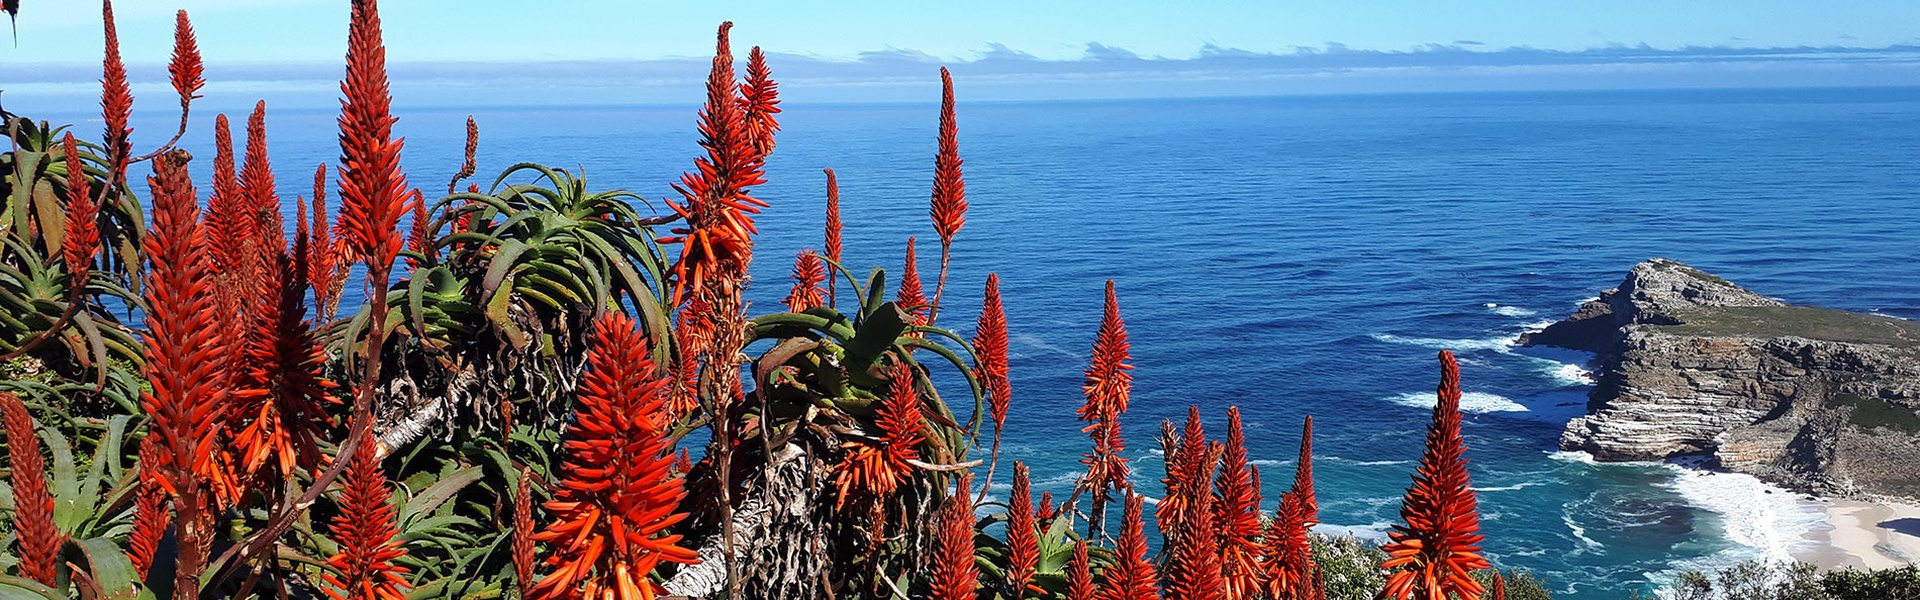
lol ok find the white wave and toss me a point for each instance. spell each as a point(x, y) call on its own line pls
point(1502, 344)
point(1511, 311)
point(1473, 402)
point(1765, 520)
point(1508, 488)
point(1381, 463)
point(1572, 456)
point(1268, 462)
point(1373, 532)
point(1579, 532)
point(1567, 374)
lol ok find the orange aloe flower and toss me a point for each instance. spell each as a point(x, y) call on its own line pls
point(833, 233)
point(373, 191)
point(1184, 470)
point(910, 298)
point(990, 343)
point(365, 531)
point(1107, 388)
point(1080, 574)
point(189, 396)
point(877, 469)
point(759, 102)
point(33, 504)
point(717, 242)
point(1193, 571)
point(83, 219)
point(116, 100)
point(1237, 515)
point(948, 206)
point(954, 575)
point(808, 274)
point(618, 494)
point(1023, 537)
point(1433, 555)
point(1133, 577)
point(1286, 555)
point(524, 558)
point(150, 516)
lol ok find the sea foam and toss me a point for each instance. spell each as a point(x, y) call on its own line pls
point(1473, 402)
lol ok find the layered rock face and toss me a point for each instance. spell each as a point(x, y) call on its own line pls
point(1818, 400)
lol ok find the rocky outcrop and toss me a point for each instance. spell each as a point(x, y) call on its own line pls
point(1818, 400)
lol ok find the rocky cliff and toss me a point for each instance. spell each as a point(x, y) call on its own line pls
point(1818, 400)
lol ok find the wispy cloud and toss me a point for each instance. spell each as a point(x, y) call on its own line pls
point(1000, 72)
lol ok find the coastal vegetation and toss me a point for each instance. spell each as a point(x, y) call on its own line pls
point(543, 392)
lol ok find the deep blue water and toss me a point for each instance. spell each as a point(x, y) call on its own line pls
point(1308, 256)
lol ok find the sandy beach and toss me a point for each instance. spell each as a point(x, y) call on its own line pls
point(1863, 535)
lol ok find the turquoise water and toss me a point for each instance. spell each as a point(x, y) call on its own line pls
point(1299, 256)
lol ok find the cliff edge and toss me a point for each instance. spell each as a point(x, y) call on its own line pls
point(1818, 400)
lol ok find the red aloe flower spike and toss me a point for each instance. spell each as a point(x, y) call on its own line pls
point(954, 575)
point(183, 347)
point(990, 345)
point(1499, 587)
point(116, 101)
point(717, 242)
point(878, 469)
point(418, 240)
point(949, 204)
point(1286, 555)
point(910, 298)
point(83, 220)
point(1433, 555)
point(759, 102)
point(150, 516)
point(286, 359)
point(618, 495)
point(1080, 574)
point(1183, 475)
point(1237, 515)
point(1046, 511)
point(263, 200)
point(682, 462)
point(808, 274)
point(1023, 539)
point(33, 504)
point(833, 233)
point(222, 229)
point(1193, 570)
point(365, 531)
point(689, 341)
point(1303, 473)
point(523, 530)
point(468, 165)
point(321, 258)
point(373, 191)
point(1133, 576)
point(1108, 387)
point(185, 70)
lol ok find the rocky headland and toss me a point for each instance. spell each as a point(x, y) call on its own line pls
point(1817, 400)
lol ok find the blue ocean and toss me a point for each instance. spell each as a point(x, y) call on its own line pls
point(1309, 256)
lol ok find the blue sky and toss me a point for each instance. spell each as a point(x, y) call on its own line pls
point(1027, 48)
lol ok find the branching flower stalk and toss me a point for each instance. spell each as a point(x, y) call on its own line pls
point(948, 207)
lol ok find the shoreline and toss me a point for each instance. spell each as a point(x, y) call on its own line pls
point(1862, 534)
